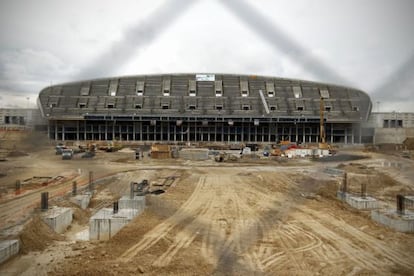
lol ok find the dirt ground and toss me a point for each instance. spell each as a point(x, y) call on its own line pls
point(228, 219)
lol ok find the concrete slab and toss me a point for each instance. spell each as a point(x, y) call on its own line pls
point(390, 218)
point(8, 249)
point(58, 218)
point(105, 224)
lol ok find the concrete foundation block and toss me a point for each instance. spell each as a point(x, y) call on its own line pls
point(390, 218)
point(58, 218)
point(362, 203)
point(82, 200)
point(194, 154)
point(136, 203)
point(105, 224)
point(8, 249)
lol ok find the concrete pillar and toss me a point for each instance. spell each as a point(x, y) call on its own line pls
point(345, 183)
point(116, 207)
point(74, 188)
point(44, 201)
point(48, 129)
point(400, 205)
point(91, 180)
point(363, 190)
point(56, 131)
point(77, 130)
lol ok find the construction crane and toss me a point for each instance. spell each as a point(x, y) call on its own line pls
point(322, 133)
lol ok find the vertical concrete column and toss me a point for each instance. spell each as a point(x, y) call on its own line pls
point(131, 190)
point(345, 183)
point(18, 186)
point(363, 190)
point(116, 207)
point(400, 205)
point(74, 188)
point(91, 181)
point(44, 201)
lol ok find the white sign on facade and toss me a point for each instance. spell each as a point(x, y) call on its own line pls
point(205, 77)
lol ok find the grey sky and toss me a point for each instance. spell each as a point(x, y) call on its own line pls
point(366, 44)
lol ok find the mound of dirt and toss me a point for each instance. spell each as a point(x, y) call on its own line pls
point(409, 143)
point(37, 235)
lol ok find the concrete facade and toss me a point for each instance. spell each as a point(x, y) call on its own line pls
point(392, 135)
point(21, 118)
point(8, 249)
point(203, 108)
point(58, 218)
point(390, 127)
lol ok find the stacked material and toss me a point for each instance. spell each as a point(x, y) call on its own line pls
point(159, 151)
point(194, 154)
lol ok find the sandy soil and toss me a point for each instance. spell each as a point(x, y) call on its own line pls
point(234, 223)
point(227, 219)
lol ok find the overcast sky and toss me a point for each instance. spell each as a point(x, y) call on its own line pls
point(367, 44)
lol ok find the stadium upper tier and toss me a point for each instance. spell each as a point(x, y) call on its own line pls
point(203, 95)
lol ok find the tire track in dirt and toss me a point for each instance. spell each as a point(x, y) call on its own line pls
point(353, 252)
point(376, 246)
point(186, 236)
point(165, 227)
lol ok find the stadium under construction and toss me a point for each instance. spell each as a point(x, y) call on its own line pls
point(208, 108)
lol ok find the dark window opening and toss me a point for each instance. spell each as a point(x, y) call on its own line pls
point(7, 120)
point(192, 93)
point(385, 124)
point(192, 107)
point(140, 92)
point(328, 108)
point(219, 107)
point(218, 93)
point(82, 105)
point(270, 93)
point(138, 106)
point(355, 108)
point(300, 108)
point(110, 106)
point(273, 108)
point(166, 92)
point(165, 106)
point(52, 105)
point(246, 107)
point(244, 93)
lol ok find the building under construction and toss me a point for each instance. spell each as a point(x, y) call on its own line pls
point(204, 108)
